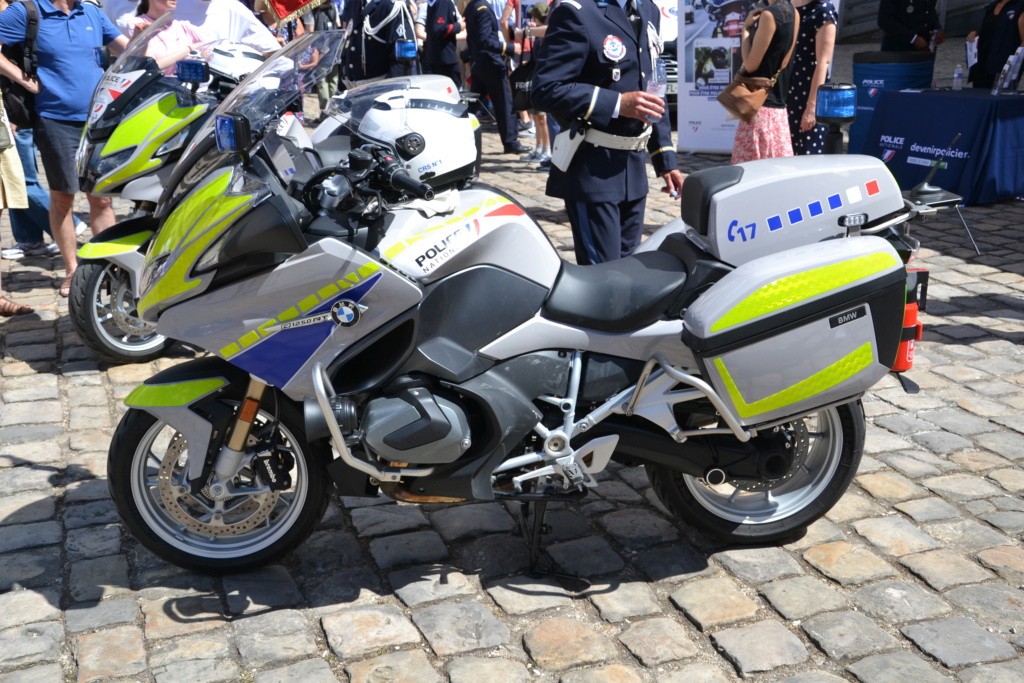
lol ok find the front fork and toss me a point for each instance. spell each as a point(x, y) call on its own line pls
point(232, 453)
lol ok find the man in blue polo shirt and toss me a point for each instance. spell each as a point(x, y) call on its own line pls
point(67, 76)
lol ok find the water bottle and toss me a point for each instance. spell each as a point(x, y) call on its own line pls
point(958, 77)
point(657, 84)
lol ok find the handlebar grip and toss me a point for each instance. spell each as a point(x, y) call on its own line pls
point(400, 180)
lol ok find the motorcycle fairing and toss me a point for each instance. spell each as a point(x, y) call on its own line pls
point(132, 149)
point(847, 295)
point(194, 225)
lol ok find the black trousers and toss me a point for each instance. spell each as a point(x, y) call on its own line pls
point(492, 81)
point(605, 231)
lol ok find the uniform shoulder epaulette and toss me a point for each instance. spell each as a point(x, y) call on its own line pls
point(572, 3)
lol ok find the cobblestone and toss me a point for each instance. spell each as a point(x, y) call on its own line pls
point(935, 513)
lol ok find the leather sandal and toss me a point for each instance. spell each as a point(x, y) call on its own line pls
point(9, 308)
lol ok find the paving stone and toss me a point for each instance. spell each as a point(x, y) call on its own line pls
point(30, 569)
point(420, 585)
point(92, 542)
point(821, 531)
point(657, 641)
point(36, 506)
point(847, 634)
point(273, 637)
point(996, 607)
point(35, 674)
point(206, 658)
point(1010, 479)
point(31, 643)
point(943, 569)
point(894, 535)
point(181, 616)
point(454, 627)
point(958, 641)
point(566, 525)
point(478, 669)
point(961, 487)
point(31, 453)
point(759, 565)
point(1006, 444)
point(854, 506)
point(591, 556)
point(617, 601)
point(523, 594)
point(415, 548)
point(714, 602)
point(409, 666)
point(614, 673)
point(638, 528)
point(87, 616)
point(763, 646)
point(495, 556)
point(909, 466)
point(617, 492)
point(347, 588)
point(896, 667)
point(387, 519)
point(113, 652)
point(941, 442)
point(803, 596)
point(965, 535)
point(326, 552)
point(848, 564)
point(697, 673)
point(19, 607)
point(1007, 503)
point(307, 671)
point(673, 564)
point(635, 477)
point(890, 487)
point(260, 590)
point(978, 462)
point(814, 677)
point(19, 479)
point(21, 536)
point(463, 521)
point(98, 578)
point(363, 630)
point(898, 601)
point(561, 643)
point(1006, 560)
point(928, 509)
point(1005, 672)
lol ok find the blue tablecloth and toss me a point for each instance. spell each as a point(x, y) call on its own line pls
point(910, 130)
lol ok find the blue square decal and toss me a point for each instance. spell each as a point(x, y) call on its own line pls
point(795, 216)
point(815, 209)
point(835, 202)
point(775, 222)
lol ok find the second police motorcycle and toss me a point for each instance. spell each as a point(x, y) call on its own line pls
point(379, 322)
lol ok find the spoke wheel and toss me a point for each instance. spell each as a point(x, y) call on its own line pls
point(244, 529)
point(829, 445)
point(105, 315)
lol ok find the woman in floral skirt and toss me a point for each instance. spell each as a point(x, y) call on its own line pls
point(812, 61)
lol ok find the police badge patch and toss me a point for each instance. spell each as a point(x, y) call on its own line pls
point(614, 49)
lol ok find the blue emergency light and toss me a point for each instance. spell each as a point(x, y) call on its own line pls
point(224, 133)
point(101, 56)
point(192, 71)
point(836, 103)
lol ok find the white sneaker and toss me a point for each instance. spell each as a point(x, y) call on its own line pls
point(80, 227)
point(23, 249)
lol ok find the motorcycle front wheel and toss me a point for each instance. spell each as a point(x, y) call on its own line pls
point(829, 445)
point(242, 532)
point(106, 318)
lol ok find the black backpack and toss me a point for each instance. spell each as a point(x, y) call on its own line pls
point(18, 102)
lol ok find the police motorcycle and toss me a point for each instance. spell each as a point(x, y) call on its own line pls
point(141, 116)
point(377, 322)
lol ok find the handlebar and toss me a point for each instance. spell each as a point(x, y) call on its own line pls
point(398, 179)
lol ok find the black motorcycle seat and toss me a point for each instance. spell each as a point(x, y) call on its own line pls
point(618, 296)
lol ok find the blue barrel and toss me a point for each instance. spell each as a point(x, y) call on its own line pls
point(874, 72)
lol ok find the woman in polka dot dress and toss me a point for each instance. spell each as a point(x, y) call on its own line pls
point(812, 61)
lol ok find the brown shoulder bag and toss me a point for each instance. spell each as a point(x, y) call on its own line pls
point(744, 95)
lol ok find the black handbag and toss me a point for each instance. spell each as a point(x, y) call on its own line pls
point(520, 80)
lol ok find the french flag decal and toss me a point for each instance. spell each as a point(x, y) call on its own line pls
point(872, 188)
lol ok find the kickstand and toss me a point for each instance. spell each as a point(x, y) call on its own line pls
point(541, 563)
point(969, 233)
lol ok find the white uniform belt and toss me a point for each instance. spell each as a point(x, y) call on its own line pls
point(633, 144)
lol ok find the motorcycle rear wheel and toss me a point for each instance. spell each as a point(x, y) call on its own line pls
point(739, 514)
point(145, 462)
point(106, 317)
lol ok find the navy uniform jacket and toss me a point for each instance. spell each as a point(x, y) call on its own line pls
point(487, 46)
point(380, 57)
point(442, 27)
point(589, 55)
point(901, 20)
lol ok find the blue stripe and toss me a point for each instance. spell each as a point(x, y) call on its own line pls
point(814, 208)
point(585, 233)
point(795, 216)
point(775, 223)
point(835, 202)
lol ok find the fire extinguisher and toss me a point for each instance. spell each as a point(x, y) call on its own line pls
point(917, 297)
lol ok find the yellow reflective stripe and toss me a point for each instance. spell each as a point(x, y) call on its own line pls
point(171, 395)
point(794, 289)
point(662, 150)
point(593, 103)
point(121, 245)
point(821, 381)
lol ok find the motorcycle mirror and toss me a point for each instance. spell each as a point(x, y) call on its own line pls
point(101, 55)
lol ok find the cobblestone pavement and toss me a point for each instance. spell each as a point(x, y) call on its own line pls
point(914, 576)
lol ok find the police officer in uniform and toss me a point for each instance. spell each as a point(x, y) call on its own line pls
point(487, 53)
point(591, 75)
point(439, 49)
point(370, 50)
point(908, 25)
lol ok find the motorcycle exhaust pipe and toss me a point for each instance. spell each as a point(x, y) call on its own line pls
point(714, 477)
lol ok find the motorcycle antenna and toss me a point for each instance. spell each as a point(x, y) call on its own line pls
point(925, 187)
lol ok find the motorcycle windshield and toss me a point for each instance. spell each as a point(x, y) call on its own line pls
point(352, 106)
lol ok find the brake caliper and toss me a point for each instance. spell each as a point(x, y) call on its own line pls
point(274, 468)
